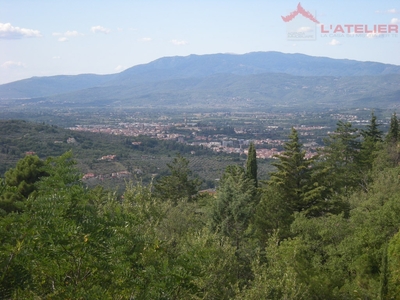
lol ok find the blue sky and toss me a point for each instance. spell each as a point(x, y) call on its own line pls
point(43, 38)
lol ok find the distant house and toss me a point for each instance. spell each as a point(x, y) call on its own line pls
point(108, 157)
point(71, 140)
point(88, 176)
point(30, 153)
point(122, 174)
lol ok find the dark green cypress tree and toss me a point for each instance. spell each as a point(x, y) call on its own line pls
point(251, 164)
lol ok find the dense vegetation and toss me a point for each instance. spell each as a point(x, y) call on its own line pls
point(320, 228)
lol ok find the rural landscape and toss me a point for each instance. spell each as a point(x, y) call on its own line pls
point(257, 176)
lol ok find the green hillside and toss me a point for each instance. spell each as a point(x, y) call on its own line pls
point(17, 138)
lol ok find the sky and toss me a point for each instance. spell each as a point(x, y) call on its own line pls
point(48, 37)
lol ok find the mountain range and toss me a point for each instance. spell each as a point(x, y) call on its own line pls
point(258, 80)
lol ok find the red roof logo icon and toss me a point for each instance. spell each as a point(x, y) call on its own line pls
point(303, 12)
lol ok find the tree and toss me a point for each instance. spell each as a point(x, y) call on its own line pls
point(369, 146)
point(251, 164)
point(339, 160)
point(27, 171)
point(293, 177)
point(234, 205)
point(20, 182)
point(393, 134)
point(179, 184)
point(232, 212)
point(271, 215)
point(372, 131)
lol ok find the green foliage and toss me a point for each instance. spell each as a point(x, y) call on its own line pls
point(234, 204)
point(272, 214)
point(370, 145)
point(281, 276)
point(394, 133)
point(179, 184)
point(251, 164)
point(28, 171)
point(393, 268)
point(19, 183)
point(384, 274)
point(340, 160)
point(292, 175)
point(372, 131)
point(231, 213)
point(293, 179)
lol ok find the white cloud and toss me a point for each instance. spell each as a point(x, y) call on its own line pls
point(63, 37)
point(179, 43)
point(56, 57)
point(304, 29)
point(389, 11)
point(145, 39)
point(100, 29)
point(12, 65)
point(120, 68)
point(393, 11)
point(395, 21)
point(72, 33)
point(7, 31)
point(334, 42)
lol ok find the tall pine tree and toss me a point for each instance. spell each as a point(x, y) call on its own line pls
point(179, 184)
point(370, 145)
point(393, 134)
point(372, 131)
point(340, 159)
point(293, 178)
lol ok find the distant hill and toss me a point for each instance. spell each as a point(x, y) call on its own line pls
point(253, 80)
point(252, 63)
point(151, 157)
point(51, 85)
